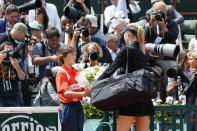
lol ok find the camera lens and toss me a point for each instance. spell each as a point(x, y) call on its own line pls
point(159, 16)
point(85, 33)
point(93, 56)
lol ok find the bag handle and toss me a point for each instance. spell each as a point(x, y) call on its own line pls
point(127, 65)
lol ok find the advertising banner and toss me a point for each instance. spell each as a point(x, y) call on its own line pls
point(29, 119)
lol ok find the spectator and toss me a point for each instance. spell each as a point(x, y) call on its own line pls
point(191, 96)
point(193, 42)
point(12, 73)
point(42, 18)
point(37, 31)
point(82, 5)
point(112, 45)
point(44, 53)
point(10, 18)
point(118, 28)
point(172, 13)
point(177, 83)
point(51, 11)
point(70, 93)
point(111, 11)
point(137, 59)
point(67, 26)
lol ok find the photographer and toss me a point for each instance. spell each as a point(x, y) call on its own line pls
point(11, 74)
point(172, 12)
point(44, 52)
point(97, 36)
point(179, 76)
point(161, 29)
point(91, 52)
point(9, 19)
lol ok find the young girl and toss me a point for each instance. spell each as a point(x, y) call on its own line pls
point(69, 91)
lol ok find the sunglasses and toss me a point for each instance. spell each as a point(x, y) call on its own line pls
point(31, 43)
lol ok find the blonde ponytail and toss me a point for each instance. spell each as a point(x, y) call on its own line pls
point(140, 38)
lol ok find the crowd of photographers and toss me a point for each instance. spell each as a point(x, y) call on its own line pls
point(31, 34)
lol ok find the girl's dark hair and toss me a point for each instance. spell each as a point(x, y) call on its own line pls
point(63, 52)
point(45, 18)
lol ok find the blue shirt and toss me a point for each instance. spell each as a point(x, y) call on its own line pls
point(40, 51)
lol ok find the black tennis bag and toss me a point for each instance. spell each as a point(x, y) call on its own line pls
point(112, 93)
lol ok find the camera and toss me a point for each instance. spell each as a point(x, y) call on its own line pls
point(93, 56)
point(30, 5)
point(84, 32)
point(159, 16)
point(12, 54)
point(175, 71)
point(73, 13)
point(168, 50)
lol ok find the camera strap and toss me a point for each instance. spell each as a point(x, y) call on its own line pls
point(130, 15)
point(190, 84)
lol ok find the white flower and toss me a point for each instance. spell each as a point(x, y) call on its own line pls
point(176, 102)
point(158, 101)
point(182, 99)
point(169, 99)
point(81, 79)
point(91, 74)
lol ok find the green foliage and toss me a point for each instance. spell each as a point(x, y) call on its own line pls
point(166, 114)
point(90, 112)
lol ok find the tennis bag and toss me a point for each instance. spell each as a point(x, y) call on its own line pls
point(114, 92)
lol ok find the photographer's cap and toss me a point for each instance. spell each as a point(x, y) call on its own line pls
point(93, 20)
point(22, 28)
point(36, 26)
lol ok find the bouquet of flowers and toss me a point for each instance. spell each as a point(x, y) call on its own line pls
point(89, 75)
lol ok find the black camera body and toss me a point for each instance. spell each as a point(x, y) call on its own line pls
point(159, 16)
point(173, 72)
point(176, 71)
point(93, 56)
point(13, 54)
point(84, 31)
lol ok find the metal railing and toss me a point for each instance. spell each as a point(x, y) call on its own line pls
point(172, 117)
point(176, 117)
